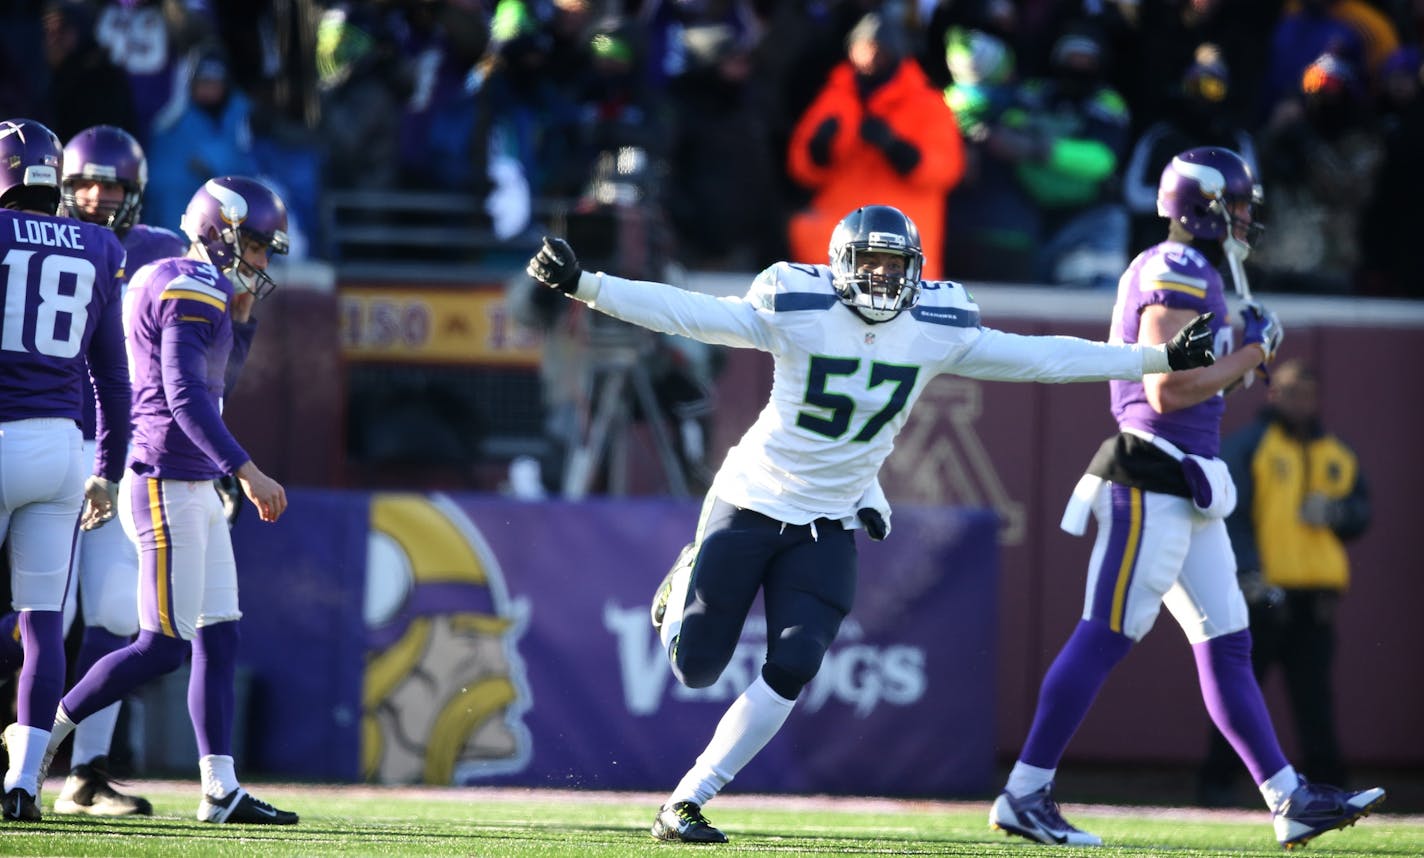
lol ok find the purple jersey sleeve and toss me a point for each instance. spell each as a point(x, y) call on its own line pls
point(61, 281)
point(144, 244)
point(179, 338)
point(1180, 277)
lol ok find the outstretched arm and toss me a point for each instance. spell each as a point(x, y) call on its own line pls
point(656, 306)
point(999, 356)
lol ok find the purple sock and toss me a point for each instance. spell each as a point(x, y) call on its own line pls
point(121, 671)
point(12, 655)
point(211, 687)
point(1234, 702)
point(97, 643)
point(42, 675)
point(1069, 689)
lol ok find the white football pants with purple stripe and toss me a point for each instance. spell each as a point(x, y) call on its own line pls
point(187, 575)
point(1154, 549)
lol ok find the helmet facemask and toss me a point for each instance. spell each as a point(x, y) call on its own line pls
point(877, 297)
point(120, 216)
point(249, 277)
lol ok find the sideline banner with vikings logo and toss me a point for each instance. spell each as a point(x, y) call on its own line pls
point(404, 638)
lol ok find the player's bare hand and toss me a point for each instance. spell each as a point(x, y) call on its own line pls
point(101, 501)
point(265, 493)
point(242, 301)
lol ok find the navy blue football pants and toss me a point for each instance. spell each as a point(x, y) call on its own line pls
point(806, 574)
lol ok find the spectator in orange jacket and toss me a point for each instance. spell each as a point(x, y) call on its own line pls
point(878, 132)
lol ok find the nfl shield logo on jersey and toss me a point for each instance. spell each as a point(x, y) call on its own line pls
point(869, 338)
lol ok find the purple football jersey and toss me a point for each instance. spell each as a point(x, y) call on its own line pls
point(144, 244)
point(179, 326)
point(62, 321)
point(1180, 277)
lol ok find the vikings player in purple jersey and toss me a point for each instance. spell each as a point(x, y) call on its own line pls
point(1160, 496)
point(104, 176)
point(61, 281)
point(179, 319)
point(854, 344)
point(102, 182)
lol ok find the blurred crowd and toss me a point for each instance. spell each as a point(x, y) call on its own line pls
point(1025, 138)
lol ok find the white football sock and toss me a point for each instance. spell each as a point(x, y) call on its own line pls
point(219, 777)
point(1279, 786)
point(745, 728)
point(93, 737)
point(26, 746)
point(61, 729)
point(1024, 779)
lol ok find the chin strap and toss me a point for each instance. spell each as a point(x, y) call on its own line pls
point(1236, 253)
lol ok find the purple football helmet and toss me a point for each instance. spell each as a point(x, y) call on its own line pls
point(30, 159)
point(876, 229)
point(106, 154)
point(226, 212)
point(1200, 187)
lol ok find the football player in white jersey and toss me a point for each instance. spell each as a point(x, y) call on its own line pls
point(854, 344)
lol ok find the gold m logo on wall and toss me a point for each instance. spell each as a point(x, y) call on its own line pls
point(940, 459)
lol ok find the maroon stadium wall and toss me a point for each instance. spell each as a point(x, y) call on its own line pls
point(1018, 448)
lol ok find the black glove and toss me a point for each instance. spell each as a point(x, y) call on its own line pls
point(874, 523)
point(1191, 347)
point(1257, 592)
point(876, 131)
point(820, 145)
point(231, 495)
point(555, 265)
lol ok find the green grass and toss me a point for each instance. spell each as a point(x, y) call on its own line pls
point(482, 822)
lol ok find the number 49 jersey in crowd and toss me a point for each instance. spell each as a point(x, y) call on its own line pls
point(62, 320)
point(179, 328)
point(841, 387)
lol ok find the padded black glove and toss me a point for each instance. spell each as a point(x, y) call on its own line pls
point(820, 145)
point(876, 131)
point(873, 522)
point(231, 495)
point(555, 265)
point(1191, 347)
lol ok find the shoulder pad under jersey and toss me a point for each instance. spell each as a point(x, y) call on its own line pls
point(792, 286)
point(1175, 268)
point(946, 302)
point(193, 289)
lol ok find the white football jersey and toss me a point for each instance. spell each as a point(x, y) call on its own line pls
point(842, 387)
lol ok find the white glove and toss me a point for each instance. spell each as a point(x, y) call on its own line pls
point(101, 502)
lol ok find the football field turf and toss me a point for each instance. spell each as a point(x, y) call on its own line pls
point(517, 822)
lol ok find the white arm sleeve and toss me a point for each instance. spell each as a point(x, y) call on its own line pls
point(999, 356)
point(666, 308)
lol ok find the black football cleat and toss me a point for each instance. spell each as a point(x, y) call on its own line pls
point(241, 807)
point(684, 822)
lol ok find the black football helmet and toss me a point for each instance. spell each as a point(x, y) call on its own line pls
point(877, 229)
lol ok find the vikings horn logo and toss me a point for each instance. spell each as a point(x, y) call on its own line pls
point(445, 686)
